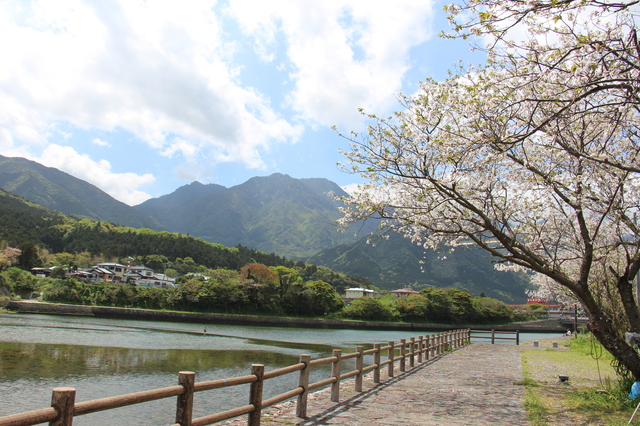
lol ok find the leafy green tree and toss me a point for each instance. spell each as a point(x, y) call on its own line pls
point(287, 277)
point(491, 310)
point(29, 257)
point(461, 305)
point(368, 309)
point(537, 310)
point(156, 262)
point(439, 304)
point(65, 260)
point(19, 281)
point(321, 298)
point(413, 308)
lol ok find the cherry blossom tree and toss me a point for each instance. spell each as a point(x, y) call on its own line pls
point(533, 157)
point(8, 256)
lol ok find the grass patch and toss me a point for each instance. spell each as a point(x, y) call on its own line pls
point(537, 412)
point(592, 396)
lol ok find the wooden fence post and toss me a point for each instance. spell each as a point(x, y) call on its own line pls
point(434, 344)
point(376, 361)
point(427, 346)
point(255, 395)
point(493, 337)
point(63, 400)
point(359, 366)
point(403, 354)
point(420, 338)
point(391, 354)
point(184, 410)
point(518, 337)
point(335, 372)
point(303, 382)
point(412, 352)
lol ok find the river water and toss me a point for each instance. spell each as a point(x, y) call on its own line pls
point(107, 357)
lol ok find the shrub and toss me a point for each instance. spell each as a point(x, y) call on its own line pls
point(368, 309)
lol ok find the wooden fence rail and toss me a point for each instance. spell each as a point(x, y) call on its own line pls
point(64, 408)
point(496, 335)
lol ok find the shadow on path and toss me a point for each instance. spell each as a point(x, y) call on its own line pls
point(361, 397)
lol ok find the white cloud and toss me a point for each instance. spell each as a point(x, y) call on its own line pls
point(99, 142)
point(122, 186)
point(156, 69)
point(345, 54)
point(165, 73)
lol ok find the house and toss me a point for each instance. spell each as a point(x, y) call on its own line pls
point(146, 277)
point(158, 280)
point(98, 274)
point(80, 275)
point(119, 271)
point(41, 272)
point(140, 270)
point(404, 292)
point(356, 293)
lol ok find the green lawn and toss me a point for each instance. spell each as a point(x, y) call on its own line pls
point(590, 397)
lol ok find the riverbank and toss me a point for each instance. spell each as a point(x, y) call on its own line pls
point(542, 326)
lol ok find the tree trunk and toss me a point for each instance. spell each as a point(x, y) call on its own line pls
point(617, 346)
point(604, 329)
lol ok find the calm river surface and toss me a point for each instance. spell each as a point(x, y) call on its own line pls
point(105, 357)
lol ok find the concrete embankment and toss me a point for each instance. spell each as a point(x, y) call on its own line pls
point(544, 326)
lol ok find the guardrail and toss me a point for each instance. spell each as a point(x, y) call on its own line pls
point(64, 408)
point(496, 335)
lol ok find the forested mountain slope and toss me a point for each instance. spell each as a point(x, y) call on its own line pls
point(60, 191)
point(277, 213)
point(395, 262)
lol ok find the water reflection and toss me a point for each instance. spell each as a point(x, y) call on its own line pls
point(31, 360)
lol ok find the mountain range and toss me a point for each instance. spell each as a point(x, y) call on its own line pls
point(277, 213)
point(274, 214)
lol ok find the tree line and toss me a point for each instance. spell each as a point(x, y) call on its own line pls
point(260, 290)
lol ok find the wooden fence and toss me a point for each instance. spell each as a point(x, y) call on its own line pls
point(495, 335)
point(64, 408)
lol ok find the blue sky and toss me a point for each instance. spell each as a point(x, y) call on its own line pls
point(140, 98)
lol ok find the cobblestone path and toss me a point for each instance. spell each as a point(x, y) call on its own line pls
point(470, 386)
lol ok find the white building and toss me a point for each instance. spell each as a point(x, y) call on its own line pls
point(146, 277)
point(356, 293)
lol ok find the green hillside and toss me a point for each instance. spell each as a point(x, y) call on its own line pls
point(60, 191)
point(24, 223)
point(395, 263)
point(277, 213)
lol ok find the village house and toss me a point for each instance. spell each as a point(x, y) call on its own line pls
point(119, 271)
point(356, 293)
point(404, 292)
point(146, 277)
point(97, 274)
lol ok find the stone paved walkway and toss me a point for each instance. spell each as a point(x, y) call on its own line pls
point(470, 386)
